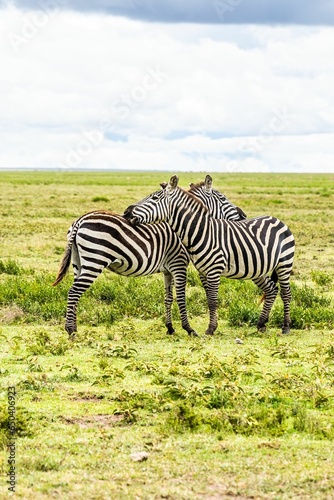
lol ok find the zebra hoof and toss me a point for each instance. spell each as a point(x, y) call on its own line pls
point(170, 330)
point(193, 333)
point(261, 329)
point(286, 330)
point(71, 330)
point(209, 332)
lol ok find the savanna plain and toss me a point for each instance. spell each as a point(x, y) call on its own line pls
point(126, 411)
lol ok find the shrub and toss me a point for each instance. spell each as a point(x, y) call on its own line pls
point(243, 314)
point(10, 267)
point(100, 198)
point(183, 417)
point(321, 278)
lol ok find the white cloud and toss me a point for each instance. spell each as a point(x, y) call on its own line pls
point(178, 97)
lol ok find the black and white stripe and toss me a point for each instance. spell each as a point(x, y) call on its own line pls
point(102, 239)
point(260, 249)
point(216, 202)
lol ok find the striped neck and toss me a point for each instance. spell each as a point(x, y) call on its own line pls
point(188, 217)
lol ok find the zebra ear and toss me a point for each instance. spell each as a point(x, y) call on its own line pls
point(241, 212)
point(208, 183)
point(173, 182)
point(163, 185)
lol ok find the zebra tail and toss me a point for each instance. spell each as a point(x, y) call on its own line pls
point(274, 278)
point(65, 264)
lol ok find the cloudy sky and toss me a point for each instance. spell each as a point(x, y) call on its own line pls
point(201, 85)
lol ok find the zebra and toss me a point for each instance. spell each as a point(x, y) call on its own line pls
point(260, 249)
point(103, 239)
point(217, 203)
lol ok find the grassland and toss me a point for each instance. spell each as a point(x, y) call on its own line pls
point(215, 419)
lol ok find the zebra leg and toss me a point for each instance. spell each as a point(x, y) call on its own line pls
point(204, 282)
point(284, 281)
point(80, 285)
point(270, 290)
point(180, 280)
point(168, 280)
point(211, 288)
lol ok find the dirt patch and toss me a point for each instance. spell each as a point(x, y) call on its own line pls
point(269, 444)
point(93, 420)
point(84, 398)
point(10, 314)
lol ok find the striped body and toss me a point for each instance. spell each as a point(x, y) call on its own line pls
point(101, 239)
point(107, 236)
point(261, 249)
point(246, 249)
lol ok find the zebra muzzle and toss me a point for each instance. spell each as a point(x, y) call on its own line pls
point(129, 217)
point(133, 220)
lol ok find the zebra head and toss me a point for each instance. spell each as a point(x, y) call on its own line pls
point(217, 203)
point(154, 207)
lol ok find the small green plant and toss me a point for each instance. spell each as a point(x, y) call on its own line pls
point(103, 363)
point(108, 376)
point(248, 357)
point(142, 366)
point(308, 297)
point(290, 381)
point(175, 390)
point(182, 418)
point(129, 415)
point(16, 344)
point(321, 278)
point(123, 351)
point(73, 373)
point(285, 351)
point(23, 423)
point(10, 267)
point(38, 382)
point(42, 343)
point(224, 394)
point(240, 314)
point(212, 367)
point(100, 198)
point(34, 365)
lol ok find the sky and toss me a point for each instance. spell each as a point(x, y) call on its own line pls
point(215, 86)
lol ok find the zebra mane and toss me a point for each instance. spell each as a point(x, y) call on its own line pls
point(195, 186)
point(101, 212)
point(93, 213)
point(197, 200)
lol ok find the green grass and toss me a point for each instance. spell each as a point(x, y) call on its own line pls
point(217, 419)
point(27, 297)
